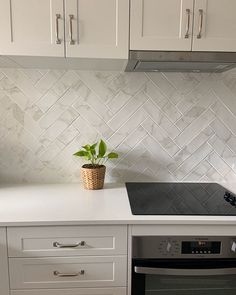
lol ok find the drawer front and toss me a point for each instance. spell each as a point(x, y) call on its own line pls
point(70, 272)
point(67, 241)
point(80, 291)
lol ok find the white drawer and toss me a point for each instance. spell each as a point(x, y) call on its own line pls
point(80, 291)
point(70, 272)
point(67, 241)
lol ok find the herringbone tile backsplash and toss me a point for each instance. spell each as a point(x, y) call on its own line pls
point(165, 127)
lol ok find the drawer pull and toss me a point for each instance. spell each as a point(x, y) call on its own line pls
point(72, 41)
point(188, 12)
point(58, 40)
point(199, 35)
point(59, 245)
point(75, 274)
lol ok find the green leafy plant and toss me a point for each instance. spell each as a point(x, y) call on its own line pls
point(96, 154)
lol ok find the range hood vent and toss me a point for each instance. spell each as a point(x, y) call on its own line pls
point(180, 61)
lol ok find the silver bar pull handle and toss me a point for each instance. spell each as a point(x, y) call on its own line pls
point(58, 40)
point(59, 245)
point(187, 24)
point(185, 272)
point(72, 41)
point(72, 274)
point(199, 35)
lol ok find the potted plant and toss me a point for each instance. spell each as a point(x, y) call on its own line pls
point(93, 172)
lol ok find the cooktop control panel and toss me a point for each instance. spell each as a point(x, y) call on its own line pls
point(184, 247)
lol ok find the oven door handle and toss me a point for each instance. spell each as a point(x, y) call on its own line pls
point(184, 272)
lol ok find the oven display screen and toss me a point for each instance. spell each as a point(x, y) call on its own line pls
point(201, 247)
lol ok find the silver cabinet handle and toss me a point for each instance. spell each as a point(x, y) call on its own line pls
point(185, 272)
point(199, 35)
point(58, 16)
point(72, 41)
point(73, 274)
point(59, 245)
point(188, 24)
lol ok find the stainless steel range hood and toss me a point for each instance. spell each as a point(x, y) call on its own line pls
point(180, 61)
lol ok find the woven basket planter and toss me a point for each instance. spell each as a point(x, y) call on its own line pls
point(93, 178)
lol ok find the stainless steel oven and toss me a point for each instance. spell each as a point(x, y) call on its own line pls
point(184, 266)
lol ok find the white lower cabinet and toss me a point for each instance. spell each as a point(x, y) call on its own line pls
point(4, 284)
point(67, 241)
point(80, 291)
point(67, 272)
point(68, 260)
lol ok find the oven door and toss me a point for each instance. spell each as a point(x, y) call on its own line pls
point(184, 277)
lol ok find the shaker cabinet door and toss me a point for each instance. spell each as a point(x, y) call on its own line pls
point(215, 25)
point(32, 27)
point(161, 25)
point(3, 263)
point(97, 28)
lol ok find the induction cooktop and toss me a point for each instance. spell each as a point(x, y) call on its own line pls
point(180, 199)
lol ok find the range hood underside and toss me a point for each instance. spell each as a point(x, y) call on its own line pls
point(180, 61)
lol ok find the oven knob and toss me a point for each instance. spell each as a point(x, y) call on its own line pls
point(233, 247)
point(168, 247)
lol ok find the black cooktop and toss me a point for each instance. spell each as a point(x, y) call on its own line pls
point(180, 199)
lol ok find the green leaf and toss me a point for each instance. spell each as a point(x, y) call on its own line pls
point(81, 154)
point(102, 149)
point(93, 146)
point(93, 149)
point(112, 156)
point(87, 147)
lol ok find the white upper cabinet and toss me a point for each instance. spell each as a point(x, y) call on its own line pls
point(32, 27)
point(161, 25)
point(97, 28)
point(71, 28)
point(215, 25)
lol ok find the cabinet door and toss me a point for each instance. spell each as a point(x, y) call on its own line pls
point(161, 24)
point(215, 25)
point(3, 263)
point(97, 28)
point(29, 27)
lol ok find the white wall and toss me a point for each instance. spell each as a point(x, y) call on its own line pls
point(174, 126)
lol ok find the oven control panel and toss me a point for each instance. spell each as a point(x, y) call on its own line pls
point(184, 247)
point(169, 247)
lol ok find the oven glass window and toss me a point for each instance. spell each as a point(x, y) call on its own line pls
point(190, 285)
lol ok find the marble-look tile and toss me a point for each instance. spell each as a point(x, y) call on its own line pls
point(60, 125)
point(161, 119)
point(32, 74)
point(226, 96)
point(47, 101)
point(65, 82)
point(22, 81)
point(94, 120)
point(220, 166)
point(99, 84)
point(161, 136)
point(11, 90)
point(165, 126)
point(48, 79)
point(198, 172)
point(225, 115)
point(192, 161)
point(202, 138)
point(193, 129)
point(193, 113)
point(128, 110)
point(223, 151)
point(164, 85)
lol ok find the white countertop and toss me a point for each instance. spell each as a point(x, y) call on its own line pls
point(70, 204)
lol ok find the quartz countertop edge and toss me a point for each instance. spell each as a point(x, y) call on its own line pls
point(70, 204)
